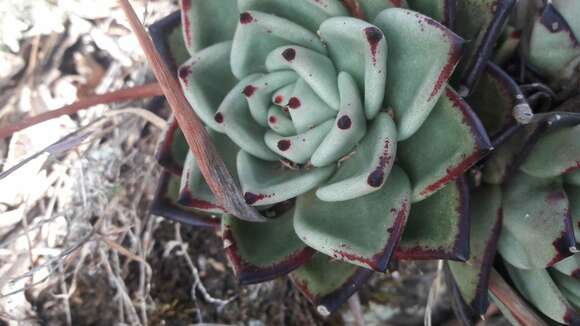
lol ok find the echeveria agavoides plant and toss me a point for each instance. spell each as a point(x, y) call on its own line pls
point(339, 121)
point(338, 129)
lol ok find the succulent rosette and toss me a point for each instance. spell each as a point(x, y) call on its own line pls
point(526, 206)
point(342, 131)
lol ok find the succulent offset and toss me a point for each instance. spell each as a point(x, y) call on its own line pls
point(346, 134)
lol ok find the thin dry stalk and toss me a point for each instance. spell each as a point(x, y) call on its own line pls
point(127, 94)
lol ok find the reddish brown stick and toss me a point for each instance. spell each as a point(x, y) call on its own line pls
point(518, 307)
point(211, 165)
point(127, 94)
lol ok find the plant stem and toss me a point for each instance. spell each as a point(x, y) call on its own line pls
point(132, 93)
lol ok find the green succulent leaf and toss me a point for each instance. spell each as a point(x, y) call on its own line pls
point(572, 178)
point(499, 165)
point(509, 43)
point(199, 78)
point(569, 266)
point(573, 193)
point(438, 227)
point(372, 8)
point(570, 288)
point(472, 276)
point(327, 282)
point(172, 149)
point(167, 36)
point(367, 170)
point(258, 34)
point(416, 81)
point(537, 227)
point(481, 22)
point(298, 148)
point(367, 240)
point(451, 140)
point(493, 100)
point(441, 10)
point(165, 204)
point(349, 126)
point(345, 35)
point(258, 95)
point(555, 154)
point(307, 13)
point(538, 287)
point(206, 23)
point(194, 191)
point(553, 45)
point(265, 183)
point(235, 118)
point(263, 251)
point(316, 69)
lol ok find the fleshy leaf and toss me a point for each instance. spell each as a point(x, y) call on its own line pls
point(368, 168)
point(306, 108)
point(314, 68)
point(259, 93)
point(569, 266)
point(538, 287)
point(473, 276)
point(415, 81)
point(573, 193)
point(493, 99)
point(349, 127)
point(280, 121)
point(258, 34)
point(328, 283)
point(572, 178)
point(367, 240)
point(371, 8)
point(438, 227)
point(298, 148)
point(237, 122)
point(266, 183)
point(199, 77)
point(554, 43)
point(172, 149)
point(194, 191)
point(449, 142)
point(570, 289)
point(555, 153)
point(260, 252)
point(165, 204)
point(443, 11)
point(206, 23)
point(537, 226)
point(167, 36)
point(306, 13)
point(499, 165)
point(463, 311)
point(480, 21)
point(349, 40)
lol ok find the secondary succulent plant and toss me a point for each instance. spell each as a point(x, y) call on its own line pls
point(528, 204)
